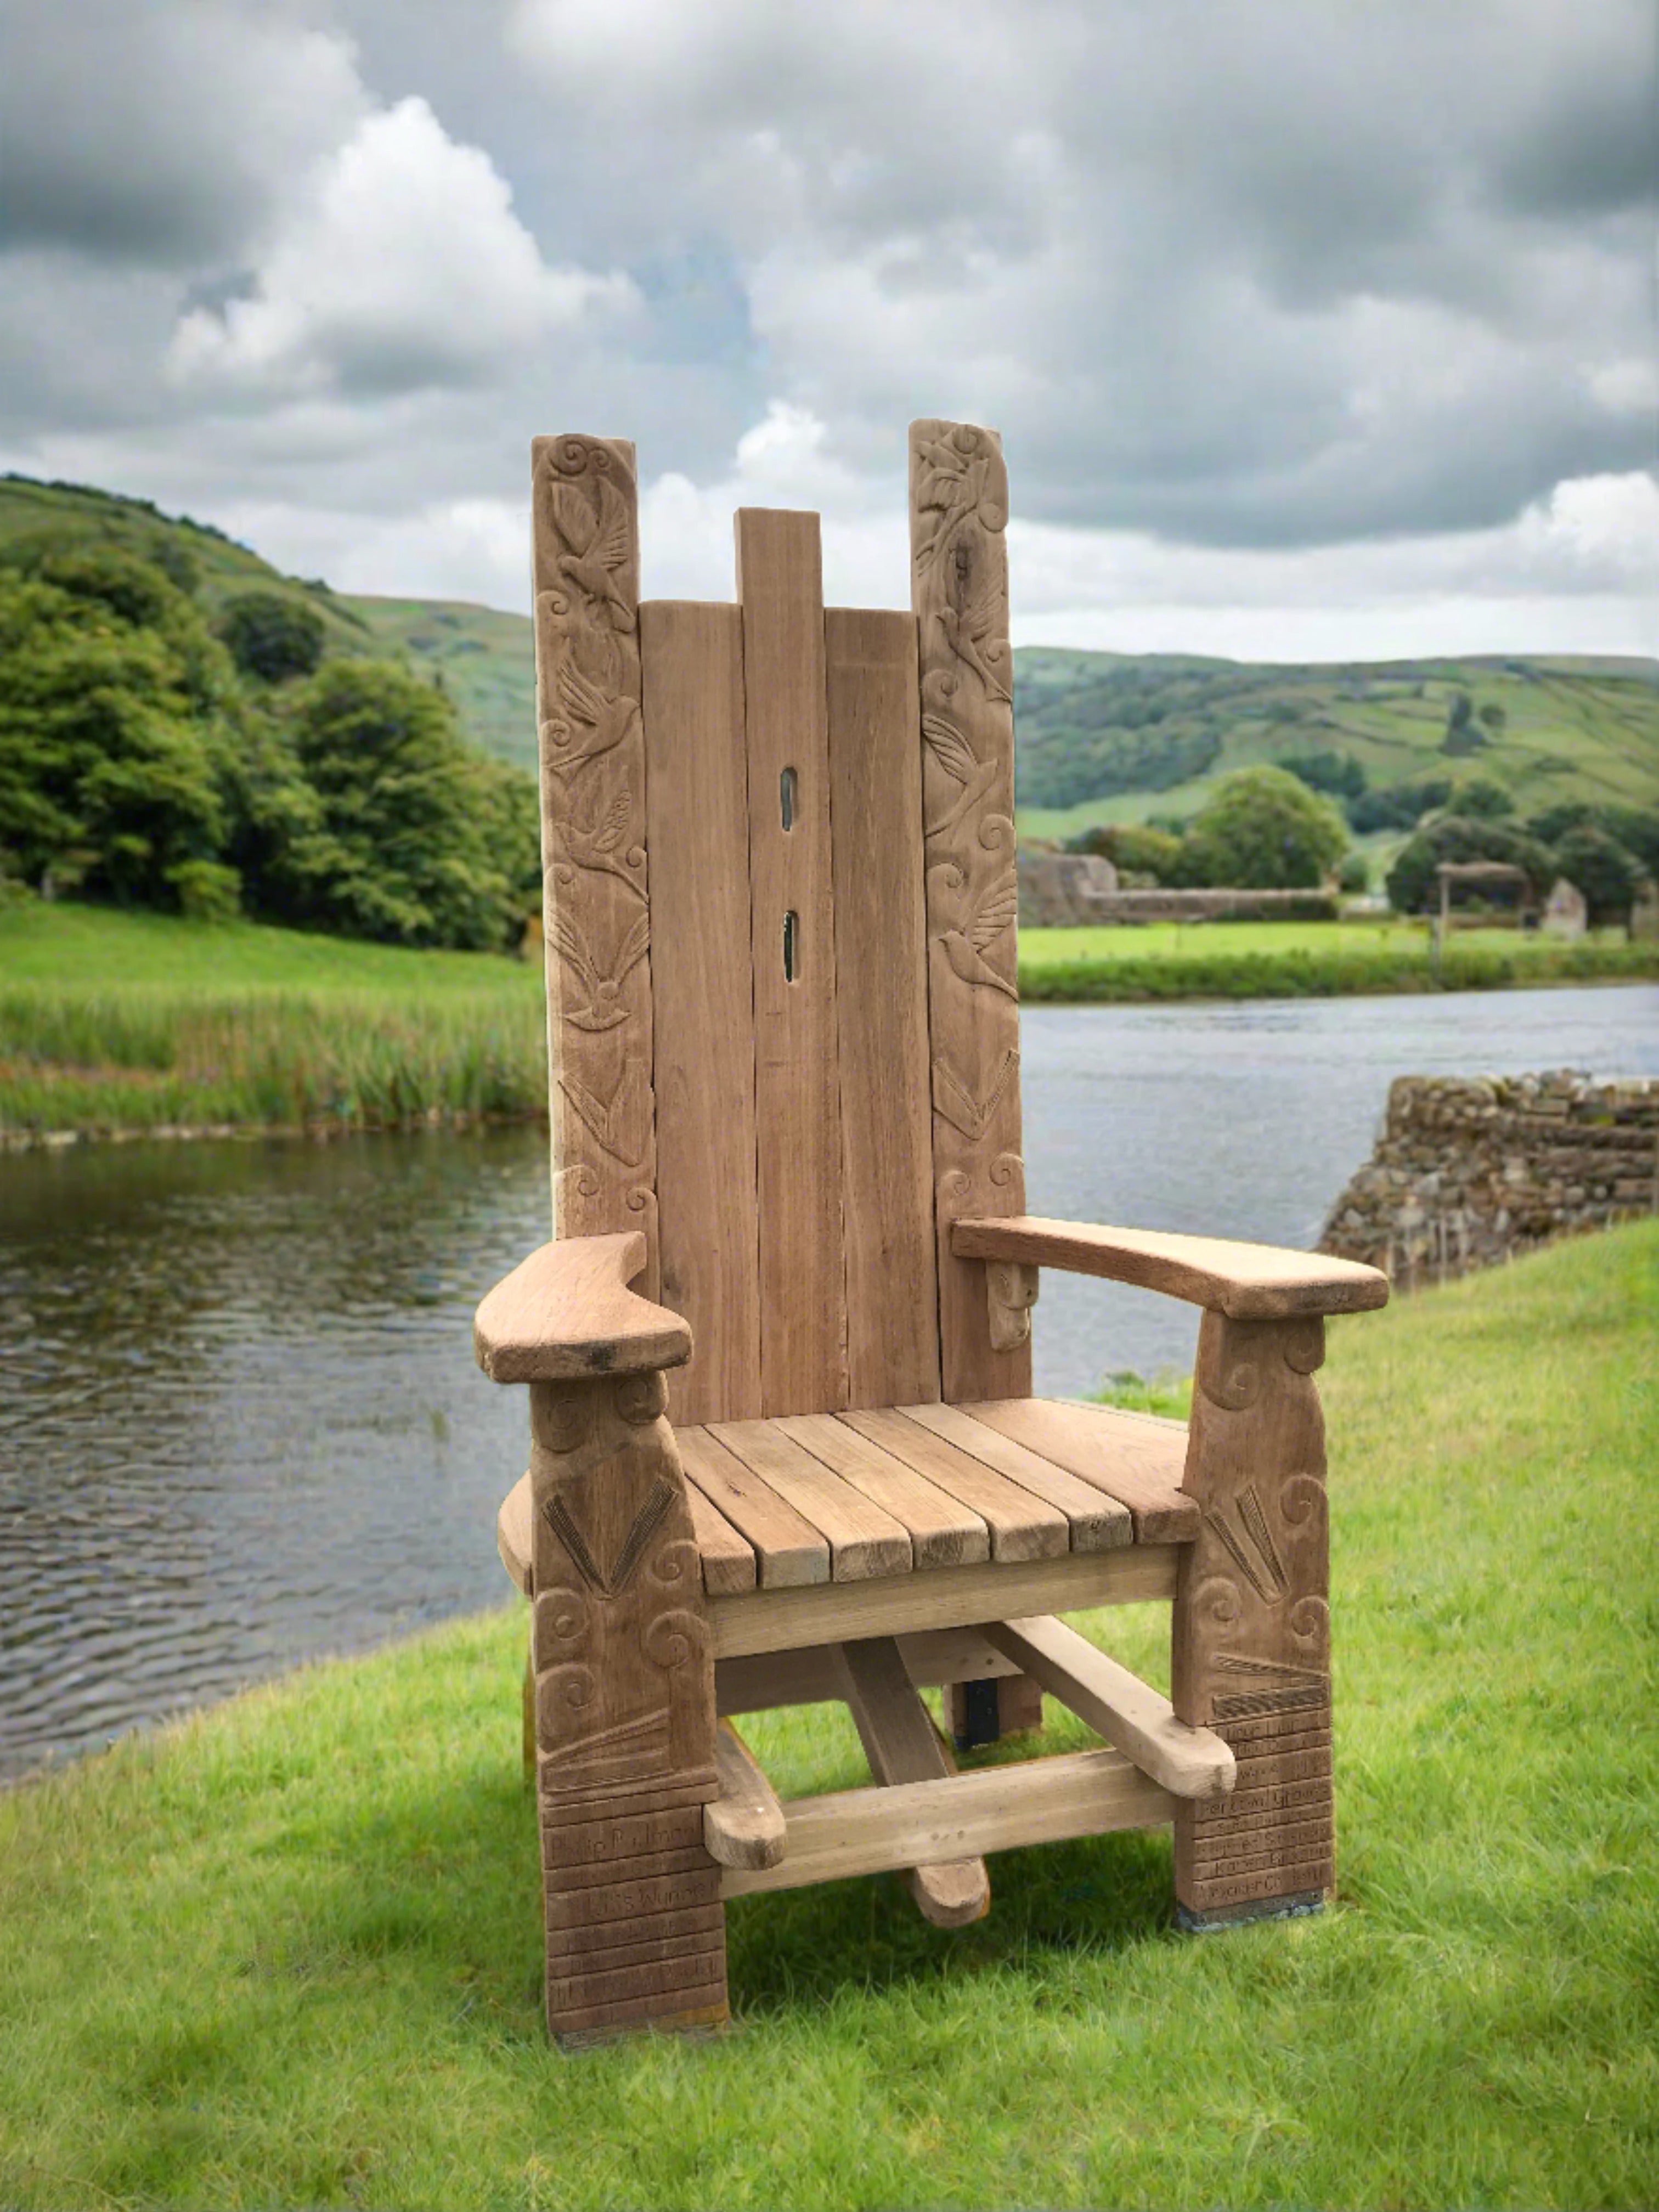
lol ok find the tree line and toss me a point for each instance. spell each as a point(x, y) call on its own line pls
point(154, 757)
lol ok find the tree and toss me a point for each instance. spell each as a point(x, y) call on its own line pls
point(1411, 881)
point(1464, 734)
point(117, 711)
point(1482, 799)
point(1263, 830)
point(397, 829)
point(1340, 775)
point(272, 636)
point(1136, 848)
point(1608, 874)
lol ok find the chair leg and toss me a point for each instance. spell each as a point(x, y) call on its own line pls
point(979, 1712)
point(624, 1718)
point(1251, 1649)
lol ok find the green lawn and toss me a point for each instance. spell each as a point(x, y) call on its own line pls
point(289, 1953)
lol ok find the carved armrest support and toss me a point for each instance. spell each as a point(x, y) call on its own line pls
point(567, 1314)
point(1246, 1282)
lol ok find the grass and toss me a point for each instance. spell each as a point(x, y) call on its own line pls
point(287, 1952)
point(139, 1022)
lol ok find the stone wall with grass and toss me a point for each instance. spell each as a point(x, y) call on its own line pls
point(1469, 1171)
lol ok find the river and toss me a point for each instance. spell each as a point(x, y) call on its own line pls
point(240, 1423)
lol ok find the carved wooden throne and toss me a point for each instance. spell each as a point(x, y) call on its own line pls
point(781, 907)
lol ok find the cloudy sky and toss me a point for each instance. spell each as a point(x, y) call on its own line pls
point(1314, 328)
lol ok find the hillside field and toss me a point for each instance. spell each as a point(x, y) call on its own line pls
point(1101, 737)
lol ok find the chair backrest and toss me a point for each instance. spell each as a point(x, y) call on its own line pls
point(780, 908)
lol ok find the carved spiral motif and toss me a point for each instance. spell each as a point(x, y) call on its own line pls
point(996, 833)
point(1007, 1171)
point(1217, 1599)
point(1302, 1499)
point(678, 1565)
point(1231, 1383)
point(573, 457)
point(674, 1639)
point(567, 1688)
point(561, 1415)
point(641, 1398)
point(1304, 1344)
point(1310, 1620)
point(561, 1619)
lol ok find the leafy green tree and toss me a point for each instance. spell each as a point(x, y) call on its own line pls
point(1607, 874)
point(1482, 799)
point(1412, 882)
point(1463, 733)
point(1136, 848)
point(1494, 717)
point(272, 636)
point(116, 727)
point(395, 828)
point(1263, 830)
point(1340, 775)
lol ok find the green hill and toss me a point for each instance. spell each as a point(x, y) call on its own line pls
point(1102, 737)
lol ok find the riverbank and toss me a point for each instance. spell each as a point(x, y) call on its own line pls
point(288, 1952)
point(138, 1023)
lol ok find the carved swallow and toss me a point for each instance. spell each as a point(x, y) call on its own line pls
point(965, 949)
point(974, 629)
point(605, 1008)
point(601, 543)
point(955, 756)
point(607, 719)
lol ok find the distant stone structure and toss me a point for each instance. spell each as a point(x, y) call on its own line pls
point(1566, 914)
point(1470, 1171)
point(1072, 890)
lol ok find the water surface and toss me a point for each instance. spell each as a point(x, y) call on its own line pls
point(240, 1422)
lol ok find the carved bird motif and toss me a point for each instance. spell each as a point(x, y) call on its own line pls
point(600, 543)
point(605, 1008)
point(975, 621)
point(606, 718)
point(958, 476)
point(953, 753)
point(965, 949)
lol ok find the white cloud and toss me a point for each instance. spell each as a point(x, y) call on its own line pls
point(401, 264)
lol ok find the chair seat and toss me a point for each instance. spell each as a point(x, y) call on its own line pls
point(855, 1497)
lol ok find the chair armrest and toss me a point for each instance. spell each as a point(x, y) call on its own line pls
point(567, 1312)
point(1246, 1282)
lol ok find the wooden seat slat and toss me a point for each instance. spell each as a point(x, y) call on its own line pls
point(864, 1540)
point(1098, 1523)
point(1021, 1526)
point(1139, 1462)
point(944, 1531)
point(728, 1557)
point(789, 1551)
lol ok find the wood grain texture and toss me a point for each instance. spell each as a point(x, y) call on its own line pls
point(1138, 1462)
point(567, 1311)
point(624, 1664)
point(803, 1314)
point(702, 992)
point(887, 1167)
point(943, 1531)
point(903, 1745)
point(596, 899)
point(1251, 1639)
point(743, 1826)
point(814, 1676)
point(788, 1550)
point(512, 1537)
point(1247, 1281)
point(1188, 1762)
point(954, 1597)
point(1021, 1526)
point(959, 592)
point(728, 1557)
point(1098, 1523)
point(864, 1540)
point(995, 1809)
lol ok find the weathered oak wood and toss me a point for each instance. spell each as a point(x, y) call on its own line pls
point(797, 1087)
point(903, 1745)
point(1188, 1762)
point(743, 1826)
point(1138, 1462)
point(953, 1597)
point(567, 1311)
point(1251, 1641)
point(596, 912)
point(624, 1664)
point(864, 1540)
point(728, 1557)
point(1098, 1523)
point(997, 1808)
point(959, 591)
point(892, 1299)
point(1261, 1282)
point(702, 992)
point(813, 1674)
point(943, 1531)
point(788, 1550)
point(1021, 1527)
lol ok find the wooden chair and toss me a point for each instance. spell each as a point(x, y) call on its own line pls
point(801, 1460)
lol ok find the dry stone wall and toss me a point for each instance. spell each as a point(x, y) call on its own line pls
point(1472, 1171)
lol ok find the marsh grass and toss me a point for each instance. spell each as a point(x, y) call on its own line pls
point(288, 1952)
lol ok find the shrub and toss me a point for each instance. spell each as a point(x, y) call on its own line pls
point(1263, 830)
point(1607, 874)
point(272, 636)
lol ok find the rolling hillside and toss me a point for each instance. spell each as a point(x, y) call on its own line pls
point(1101, 737)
